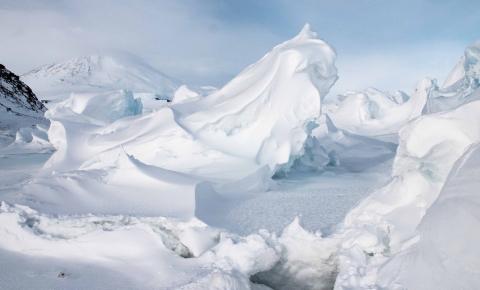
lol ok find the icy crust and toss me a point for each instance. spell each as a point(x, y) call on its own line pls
point(376, 114)
point(263, 114)
point(385, 223)
point(461, 86)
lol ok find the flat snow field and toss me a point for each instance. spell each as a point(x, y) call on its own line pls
point(17, 169)
point(319, 199)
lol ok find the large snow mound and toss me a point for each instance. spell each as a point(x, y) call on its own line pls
point(385, 223)
point(97, 73)
point(263, 114)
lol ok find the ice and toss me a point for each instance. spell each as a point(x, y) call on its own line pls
point(260, 184)
point(461, 86)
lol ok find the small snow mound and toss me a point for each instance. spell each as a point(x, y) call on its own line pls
point(374, 113)
point(105, 107)
point(184, 94)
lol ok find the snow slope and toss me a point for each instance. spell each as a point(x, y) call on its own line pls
point(99, 73)
point(446, 250)
point(22, 124)
point(385, 223)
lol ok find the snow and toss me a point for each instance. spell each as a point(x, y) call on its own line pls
point(257, 185)
point(446, 251)
point(267, 106)
point(99, 74)
point(377, 114)
point(385, 222)
point(461, 86)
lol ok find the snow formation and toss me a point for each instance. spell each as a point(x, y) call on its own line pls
point(132, 186)
point(461, 86)
point(387, 229)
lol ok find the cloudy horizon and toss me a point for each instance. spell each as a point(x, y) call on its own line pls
point(388, 46)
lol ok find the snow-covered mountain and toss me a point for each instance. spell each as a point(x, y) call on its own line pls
point(18, 104)
point(22, 121)
point(99, 73)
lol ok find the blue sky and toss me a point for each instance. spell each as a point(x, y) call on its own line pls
point(386, 44)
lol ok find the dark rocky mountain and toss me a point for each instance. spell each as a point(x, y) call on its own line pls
point(19, 107)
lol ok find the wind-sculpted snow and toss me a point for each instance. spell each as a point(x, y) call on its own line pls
point(461, 86)
point(385, 223)
point(376, 114)
point(114, 162)
point(445, 250)
point(263, 114)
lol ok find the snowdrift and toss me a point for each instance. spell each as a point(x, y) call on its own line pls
point(385, 223)
point(446, 252)
point(263, 114)
point(113, 161)
point(376, 114)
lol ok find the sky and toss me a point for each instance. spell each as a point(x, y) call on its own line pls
point(385, 44)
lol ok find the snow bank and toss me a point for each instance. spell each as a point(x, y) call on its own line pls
point(384, 224)
point(376, 114)
point(445, 251)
